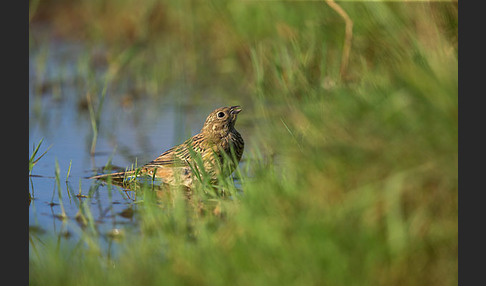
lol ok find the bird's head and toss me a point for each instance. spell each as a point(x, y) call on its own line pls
point(221, 121)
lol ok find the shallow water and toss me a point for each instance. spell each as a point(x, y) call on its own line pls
point(128, 133)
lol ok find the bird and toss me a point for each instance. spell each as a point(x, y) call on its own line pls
point(214, 152)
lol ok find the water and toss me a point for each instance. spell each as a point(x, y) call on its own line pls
point(137, 131)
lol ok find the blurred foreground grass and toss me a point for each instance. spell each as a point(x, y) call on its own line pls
point(351, 178)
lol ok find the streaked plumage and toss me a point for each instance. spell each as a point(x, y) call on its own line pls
point(217, 141)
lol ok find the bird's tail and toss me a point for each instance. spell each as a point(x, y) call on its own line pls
point(117, 175)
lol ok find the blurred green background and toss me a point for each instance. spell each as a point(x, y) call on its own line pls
point(351, 174)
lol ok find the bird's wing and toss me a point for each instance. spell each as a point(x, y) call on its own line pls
point(169, 158)
point(179, 155)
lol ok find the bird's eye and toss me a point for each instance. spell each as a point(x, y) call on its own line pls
point(221, 114)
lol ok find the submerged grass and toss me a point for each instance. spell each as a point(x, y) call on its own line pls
point(348, 179)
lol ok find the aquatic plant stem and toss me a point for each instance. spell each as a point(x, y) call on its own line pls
point(95, 117)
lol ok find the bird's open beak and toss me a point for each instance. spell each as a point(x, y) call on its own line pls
point(235, 109)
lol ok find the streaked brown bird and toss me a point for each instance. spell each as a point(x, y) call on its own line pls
point(215, 151)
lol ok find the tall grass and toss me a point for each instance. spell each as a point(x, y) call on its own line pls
point(348, 179)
